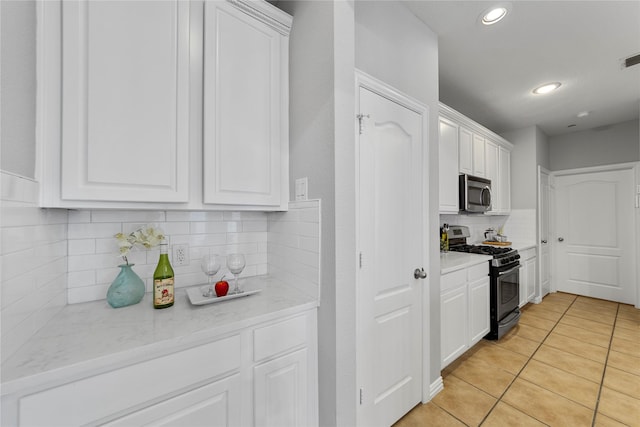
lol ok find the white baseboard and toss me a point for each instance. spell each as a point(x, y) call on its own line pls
point(436, 387)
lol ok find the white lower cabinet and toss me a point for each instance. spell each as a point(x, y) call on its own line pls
point(464, 310)
point(214, 384)
point(527, 289)
point(280, 391)
point(215, 404)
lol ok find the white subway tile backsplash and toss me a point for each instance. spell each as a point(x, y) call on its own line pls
point(93, 230)
point(128, 216)
point(82, 246)
point(215, 227)
point(79, 216)
point(34, 266)
point(194, 216)
point(294, 246)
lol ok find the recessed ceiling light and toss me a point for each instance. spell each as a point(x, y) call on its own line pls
point(546, 88)
point(494, 15)
point(583, 114)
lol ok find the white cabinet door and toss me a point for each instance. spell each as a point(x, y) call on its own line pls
point(453, 318)
point(478, 310)
point(491, 164)
point(448, 166)
point(280, 391)
point(245, 109)
point(125, 88)
point(524, 285)
point(465, 149)
point(215, 404)
point(504, 177)
point(478, 156)
point(531, 278)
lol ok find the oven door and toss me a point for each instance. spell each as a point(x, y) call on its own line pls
point(507, 290)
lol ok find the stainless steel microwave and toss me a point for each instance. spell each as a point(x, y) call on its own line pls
point(475, 194)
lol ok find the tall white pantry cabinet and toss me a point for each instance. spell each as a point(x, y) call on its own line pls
point(164, 104)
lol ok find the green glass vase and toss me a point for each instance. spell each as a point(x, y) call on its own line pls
point(127, 288)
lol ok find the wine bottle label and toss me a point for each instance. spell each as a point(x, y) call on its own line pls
point(163, 291)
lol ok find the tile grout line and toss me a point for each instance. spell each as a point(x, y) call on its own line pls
point(525, 365)
point(606, 364)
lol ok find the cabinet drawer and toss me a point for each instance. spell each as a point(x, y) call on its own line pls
point(279, 337)
point(478, 272)
point(453, 280)
point(91, 399)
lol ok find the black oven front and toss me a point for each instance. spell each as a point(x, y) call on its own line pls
point(505, 298)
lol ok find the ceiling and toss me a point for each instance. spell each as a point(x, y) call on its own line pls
point(488, 72)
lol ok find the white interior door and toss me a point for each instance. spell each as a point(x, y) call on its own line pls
point(544, 244)
point(596, 235)
point(390, 243)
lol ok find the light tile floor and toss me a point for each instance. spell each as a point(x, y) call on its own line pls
point(571, 361)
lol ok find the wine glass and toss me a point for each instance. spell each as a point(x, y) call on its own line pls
point(235, 264)
point(210, 266)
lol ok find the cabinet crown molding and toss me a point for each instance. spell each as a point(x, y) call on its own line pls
point(458, 117)
point(266, 13)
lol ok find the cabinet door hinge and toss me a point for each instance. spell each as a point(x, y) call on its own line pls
point(361, 123)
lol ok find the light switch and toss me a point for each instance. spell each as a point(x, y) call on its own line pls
point(302, 186)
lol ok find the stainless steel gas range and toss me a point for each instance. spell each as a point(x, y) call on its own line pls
point(504, 272)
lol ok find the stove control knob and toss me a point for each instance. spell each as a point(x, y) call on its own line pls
point(518, 256)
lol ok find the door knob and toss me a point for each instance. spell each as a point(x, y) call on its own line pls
point(419, 273)
point(560, 239)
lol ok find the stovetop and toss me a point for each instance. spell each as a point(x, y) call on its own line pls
point(502, 257)
point(480, 249)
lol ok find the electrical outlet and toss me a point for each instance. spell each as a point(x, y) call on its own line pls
point(181, 254)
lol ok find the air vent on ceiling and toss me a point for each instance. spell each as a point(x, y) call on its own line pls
point(631, 61)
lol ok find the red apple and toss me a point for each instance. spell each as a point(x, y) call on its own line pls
point(222, 287)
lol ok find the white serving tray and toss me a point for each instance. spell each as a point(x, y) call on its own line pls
point(196, 297)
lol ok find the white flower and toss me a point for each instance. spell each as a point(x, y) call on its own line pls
point(147, 237)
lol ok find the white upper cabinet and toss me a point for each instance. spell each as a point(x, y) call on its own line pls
point(448, 137)
point(480, 153)
point(466, 151)
point(125, 111)
point(163, 104)
point(479, 168)
point(491, 163)
point(245, 108)
point(504, 180)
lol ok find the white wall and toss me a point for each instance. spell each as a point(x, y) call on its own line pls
point(18, 86)
point(33, 282)
point(543, 149)
point(394, 46)
point(531, 148)
point(312, 148)
point(617, 143)
point(92, 249)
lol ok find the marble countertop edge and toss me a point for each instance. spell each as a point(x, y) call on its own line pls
point(76, 344)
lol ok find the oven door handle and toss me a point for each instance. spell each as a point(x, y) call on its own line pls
point(511, 270)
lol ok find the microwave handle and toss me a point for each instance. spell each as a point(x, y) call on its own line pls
point(488, 189)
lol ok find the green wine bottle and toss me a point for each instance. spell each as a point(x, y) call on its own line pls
point(163, 289)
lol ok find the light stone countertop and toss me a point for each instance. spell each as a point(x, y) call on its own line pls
point(452, 261)
point(93, 337)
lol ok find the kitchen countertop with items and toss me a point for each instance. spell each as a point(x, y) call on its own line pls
point(93, 336)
